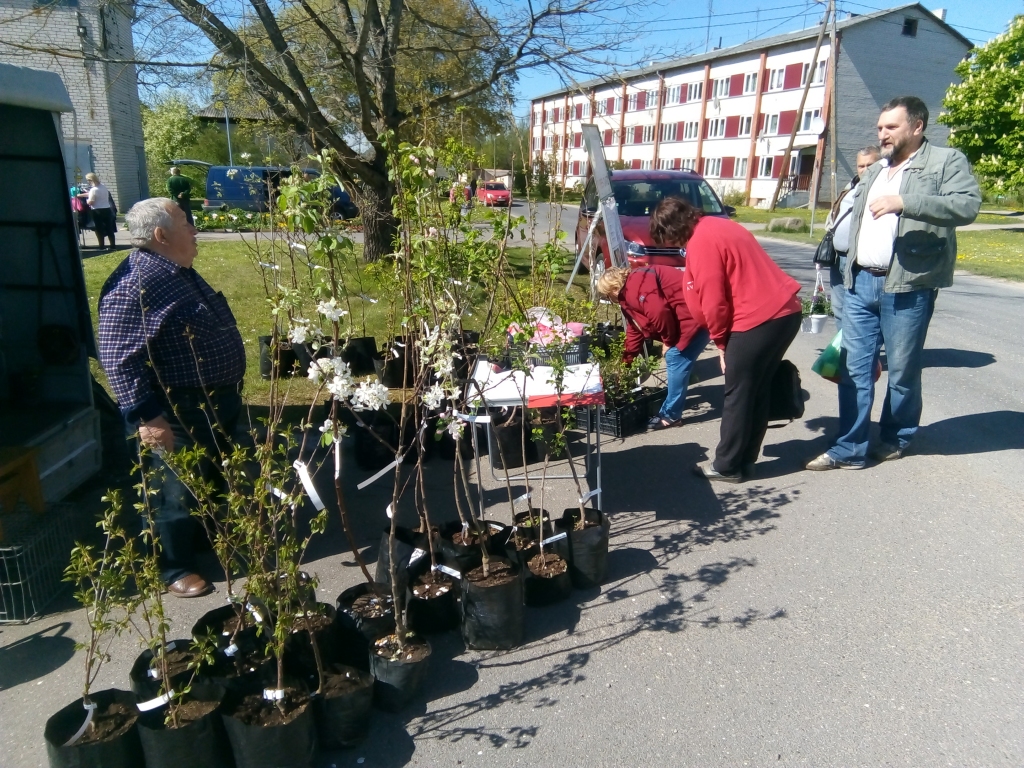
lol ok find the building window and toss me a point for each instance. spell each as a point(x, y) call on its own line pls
point(602, 108)
point(646, 165)
point(668, 132)
point(666, 164)
point(536, 143)
point(750, 83)
point(764, 167)
point(716, 128)
point(536, 118)
point(720, 88)
point(713, 167)
point(632, 102)
point(771, 125)
point(776, 79)
point(618, 105)
point(809, 117)
point(745, 124)
point(909, 27)
point(652, 99)
point(648, 134)
point(689, 164)
point(673, 95)
point(586, 109)
point(740, 168)
point(694, 91)
point(691, 130)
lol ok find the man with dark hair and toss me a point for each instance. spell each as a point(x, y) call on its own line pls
point(902, 250)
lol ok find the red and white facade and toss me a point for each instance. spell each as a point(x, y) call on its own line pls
point(728, 117)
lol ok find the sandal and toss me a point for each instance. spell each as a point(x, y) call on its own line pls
point(657, 422)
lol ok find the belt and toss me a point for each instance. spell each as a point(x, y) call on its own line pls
point(873, 271)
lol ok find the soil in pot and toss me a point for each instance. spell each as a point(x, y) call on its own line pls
point(548, 579)
point(111, 741)
point(198, 740)
point(492, 607)
point(431, 604)
point(342, 711)
point(367, 609)
point(399, 671)
point(588, 547)
point(271, 734)
point(145, 674)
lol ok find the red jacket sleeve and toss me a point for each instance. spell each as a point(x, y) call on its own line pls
point(708, 292)
point(634, 342)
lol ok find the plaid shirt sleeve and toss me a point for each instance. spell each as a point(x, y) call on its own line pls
point(124, 336)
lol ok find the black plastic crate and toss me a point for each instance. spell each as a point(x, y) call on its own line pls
point(655, 400)
point(33, 555)
point(623, 421)
point(575, 353)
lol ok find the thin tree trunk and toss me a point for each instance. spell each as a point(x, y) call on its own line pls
point(380, 228)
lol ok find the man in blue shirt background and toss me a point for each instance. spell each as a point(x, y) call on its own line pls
point(174, 357)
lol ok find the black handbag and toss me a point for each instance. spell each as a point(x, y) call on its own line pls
point(826, 254)
point(786, 401)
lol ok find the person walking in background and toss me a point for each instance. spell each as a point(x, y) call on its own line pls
point(653, 302)
point(752, 312)
point(79, 193)
point(180, 189)
point(101, 204)
point(839, 219)
point(174, 357)
point(902, 250)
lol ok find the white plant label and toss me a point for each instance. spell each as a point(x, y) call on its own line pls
point(153, 673)
point(379, 475)
point(273, 694)
point(307, 484)
point(589, 495)
point(159, 701)
point(524, 497)
point(390, 512)
point(231, 650)
point(482, 418)
point(556, 537)
point(448, 571)
point(416, 555)
point(90, 710)
point(169, 647)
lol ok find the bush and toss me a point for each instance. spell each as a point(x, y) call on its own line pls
point(735, 198)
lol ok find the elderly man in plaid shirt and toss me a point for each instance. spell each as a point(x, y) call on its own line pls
point(175, 360)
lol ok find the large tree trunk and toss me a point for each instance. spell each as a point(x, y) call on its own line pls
point(380, 227)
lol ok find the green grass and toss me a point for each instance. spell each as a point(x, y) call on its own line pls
point(748, 215)
point(996, 218)
point(995, 253)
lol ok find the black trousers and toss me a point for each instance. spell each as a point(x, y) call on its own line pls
point(751, 359)
point(103, 219)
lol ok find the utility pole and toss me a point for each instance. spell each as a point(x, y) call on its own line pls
point(707, 37)
point(833, 138)
point(800, 111)
point(227, 130)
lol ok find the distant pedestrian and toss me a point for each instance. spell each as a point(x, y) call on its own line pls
point(752, 312)
point(79, 193)
point(902, 250)
point(102, 204)
point(839, 221)
point(180, 189)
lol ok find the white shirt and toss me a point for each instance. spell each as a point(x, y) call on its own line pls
point(876, 236)
point(99, 197)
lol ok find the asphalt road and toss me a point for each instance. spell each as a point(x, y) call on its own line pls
point(825, 619)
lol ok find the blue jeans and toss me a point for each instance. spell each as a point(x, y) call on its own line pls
point(677, 366)
point(900, 321)
point(838, 290)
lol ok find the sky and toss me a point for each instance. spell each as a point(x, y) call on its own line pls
point(678, 28)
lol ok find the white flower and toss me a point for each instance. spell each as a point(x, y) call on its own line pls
point(430, 171)
point(232, 217)
point(432, 397)
point(444, 367)
point(415, 159)
point(455, 428)
point(248, 215)
point(432, 232)
point(331, 310)
point(232, 172)
point(327, 426)
point(298, 332)
point(246, 156)
point(319, 370)
point(371, 395)
point(341, 387)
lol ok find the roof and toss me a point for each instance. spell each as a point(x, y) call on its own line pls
point(211, 112)
point(33, 88)
point(753, 45)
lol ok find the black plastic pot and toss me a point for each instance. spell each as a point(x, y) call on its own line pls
point(371, 453)
point(398, 681)
point(507, 431)
point(359, 353)
point(343, 720)
point(465, 558)
point(492, 616)
point(122, 751)
point(436, 614)
point(406, 542)
point(396, 365)
point(369, 628)
point(305, 354)
point(142, 683)
point(283, 365)
point(588, 559)
point(543, 434)
point(299, 658)
point(202, 743)
point(545, 590)
point(291, 745)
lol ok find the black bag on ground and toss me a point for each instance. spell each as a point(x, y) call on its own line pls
point(787, 398)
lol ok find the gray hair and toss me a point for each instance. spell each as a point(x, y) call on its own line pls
point(145, 216)
point(872, 150)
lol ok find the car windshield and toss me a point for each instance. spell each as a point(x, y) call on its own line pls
point(640, 198)
point(495, 186)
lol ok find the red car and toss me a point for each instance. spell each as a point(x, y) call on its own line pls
point(637, 194)
point(493, 193)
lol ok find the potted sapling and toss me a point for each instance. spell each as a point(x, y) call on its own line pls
point(816, 310)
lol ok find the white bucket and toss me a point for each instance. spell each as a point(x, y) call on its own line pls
point(817, 323)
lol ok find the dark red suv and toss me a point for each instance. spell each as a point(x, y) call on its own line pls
point(637, 194)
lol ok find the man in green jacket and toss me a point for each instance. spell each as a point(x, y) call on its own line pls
point(180, 190)
point(902, 250)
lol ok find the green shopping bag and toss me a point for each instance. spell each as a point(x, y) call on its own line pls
point(827, 364)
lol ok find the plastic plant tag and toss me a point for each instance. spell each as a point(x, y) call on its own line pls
point(524, 497)
point(159, 701)
point(90, 709)
point(390, 512)
point(337, 459)
point(381, 473)
point(483, 418)
point(169, 646)
point(553, 539)
point(364, 297)
point(448, 571)
point(416, 555)
point(231, 650)
point(307, 485)
point(255, 614)
point(589, 495)
point(153, 673)
point(273, 694)
point(268, 266)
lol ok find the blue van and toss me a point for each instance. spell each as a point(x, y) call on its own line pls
point(249, 188)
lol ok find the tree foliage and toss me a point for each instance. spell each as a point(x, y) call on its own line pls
point(985, 112)
point(169, 129)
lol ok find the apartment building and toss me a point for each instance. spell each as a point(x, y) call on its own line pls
point(729, 114)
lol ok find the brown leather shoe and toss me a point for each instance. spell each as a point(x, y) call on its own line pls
point(192, 585)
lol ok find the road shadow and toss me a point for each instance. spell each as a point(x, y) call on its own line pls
point(791, 455)
point(36, 655)
point(956, 358)
point(973, 433)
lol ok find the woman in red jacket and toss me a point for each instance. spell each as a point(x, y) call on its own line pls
point(751, 309)
point(653, 301)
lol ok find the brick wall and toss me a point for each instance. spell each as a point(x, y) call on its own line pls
point(105, 96)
